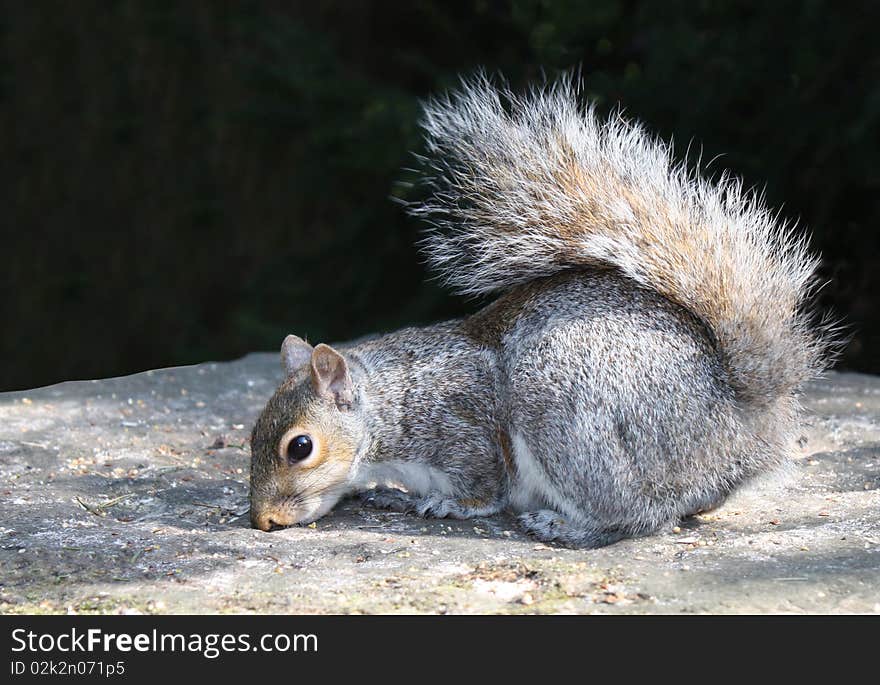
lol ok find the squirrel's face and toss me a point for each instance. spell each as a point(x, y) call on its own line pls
point(306, 439)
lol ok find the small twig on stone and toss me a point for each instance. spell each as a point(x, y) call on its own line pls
point(101, 508)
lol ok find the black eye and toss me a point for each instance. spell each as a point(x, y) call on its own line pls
point(299, 448)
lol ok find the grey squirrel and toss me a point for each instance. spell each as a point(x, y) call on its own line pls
point(642, 361)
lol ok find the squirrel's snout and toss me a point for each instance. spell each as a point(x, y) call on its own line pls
point(267, 519)
point(262, 521)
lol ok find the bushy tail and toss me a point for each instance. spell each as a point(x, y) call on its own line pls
point(525, 186)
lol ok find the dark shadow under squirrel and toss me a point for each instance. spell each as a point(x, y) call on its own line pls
point(643, 359)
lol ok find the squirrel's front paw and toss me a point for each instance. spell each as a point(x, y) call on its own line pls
point(390, 499)
point(432, 506)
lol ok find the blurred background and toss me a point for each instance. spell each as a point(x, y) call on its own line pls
point(185, 182)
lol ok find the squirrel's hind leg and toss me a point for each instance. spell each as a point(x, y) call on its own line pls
point(550, 526)
point(429, 506)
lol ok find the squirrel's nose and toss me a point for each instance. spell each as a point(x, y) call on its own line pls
point(263, 520)
point(266, 519)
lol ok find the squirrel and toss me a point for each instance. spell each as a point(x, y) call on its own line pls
point(643, 359)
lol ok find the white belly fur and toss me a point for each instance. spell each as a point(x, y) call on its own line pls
point(531, 490)
point(415, 478)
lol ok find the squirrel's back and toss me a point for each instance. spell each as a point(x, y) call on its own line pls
point(525, 187)
point(617, 405)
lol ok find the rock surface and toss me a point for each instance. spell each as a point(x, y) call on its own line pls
point(129, 495)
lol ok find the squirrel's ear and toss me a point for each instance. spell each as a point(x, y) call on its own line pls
point(295, 354)
point(330, 376)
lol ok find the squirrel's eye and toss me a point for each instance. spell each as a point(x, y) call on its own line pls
point(299, 448)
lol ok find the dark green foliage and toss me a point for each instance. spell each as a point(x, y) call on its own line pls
point(190, 181)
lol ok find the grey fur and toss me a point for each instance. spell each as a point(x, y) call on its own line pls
point(626, 377)
point(523, 186)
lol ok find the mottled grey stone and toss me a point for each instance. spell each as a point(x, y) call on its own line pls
point(130, 495)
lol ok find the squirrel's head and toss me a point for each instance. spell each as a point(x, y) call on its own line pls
point(306, 439)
